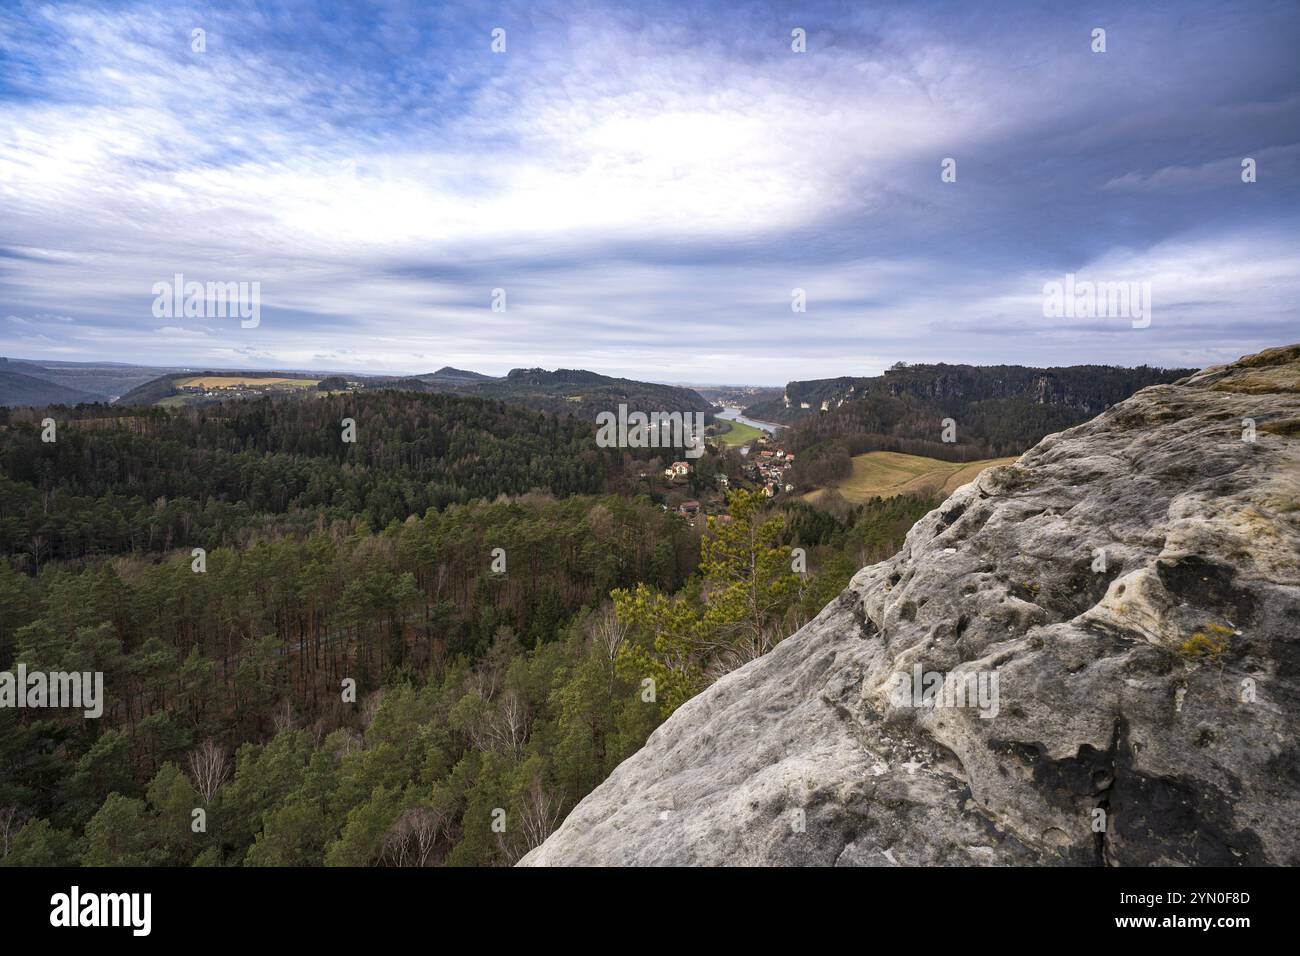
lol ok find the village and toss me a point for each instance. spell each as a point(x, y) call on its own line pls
point(696, 490)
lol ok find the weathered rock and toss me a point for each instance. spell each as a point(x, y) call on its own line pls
point(1107, 701)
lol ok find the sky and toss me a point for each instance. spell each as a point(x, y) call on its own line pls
point(648, 183)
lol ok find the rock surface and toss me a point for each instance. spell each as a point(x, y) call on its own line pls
point(1109, 707)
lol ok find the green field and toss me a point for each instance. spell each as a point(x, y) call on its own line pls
point(739, 434)
point(884, 474)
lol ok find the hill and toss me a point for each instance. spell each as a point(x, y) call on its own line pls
point(18, 388)
point(1088, 389)
point(958, 413)
point(569, 392)
point(105, 381)
point(207, 387)
point(884, 474)
point(1118, 610)
point(447, 373)
point(573, 392)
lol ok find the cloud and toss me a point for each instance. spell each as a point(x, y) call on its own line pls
point(647, 187)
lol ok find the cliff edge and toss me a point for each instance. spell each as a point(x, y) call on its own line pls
point(1108, 632)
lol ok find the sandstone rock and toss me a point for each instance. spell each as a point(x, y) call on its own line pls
point(1109, 706)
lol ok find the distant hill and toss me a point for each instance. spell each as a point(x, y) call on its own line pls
point(997, 411)
point(17, 387)
point(575, 392)
point(102, 382)
point(739, 396)
point(1088, 388)
point(151, 393)
point(204, 387)
point(448, 373)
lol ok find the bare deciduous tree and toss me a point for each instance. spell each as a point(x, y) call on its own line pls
point(606, 630)
point(540, 814)
point(209, 767)
point(412, 837)
point(509, 725)
point(10, 824)
point(282, 719)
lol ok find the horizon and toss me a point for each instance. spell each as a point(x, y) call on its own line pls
point(650, 188)
point(189, 367)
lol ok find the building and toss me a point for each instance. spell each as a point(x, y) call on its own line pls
point(688, 509)
point(678, 469)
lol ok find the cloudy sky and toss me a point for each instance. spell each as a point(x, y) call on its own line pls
point(647, 182)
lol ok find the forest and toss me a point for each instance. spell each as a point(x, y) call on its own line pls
point(421, 649)
point(121, 479)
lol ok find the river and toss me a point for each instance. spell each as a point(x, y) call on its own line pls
point(733, 414)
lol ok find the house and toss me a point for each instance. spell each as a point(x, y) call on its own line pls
point(804, 405)
point(765, 454)
point(769, 490)
point(688, 509)
point(724, 480)
point(678, 469)
point(789, 459)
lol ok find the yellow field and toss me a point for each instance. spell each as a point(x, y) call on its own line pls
point(226, 381)
point(885, 474)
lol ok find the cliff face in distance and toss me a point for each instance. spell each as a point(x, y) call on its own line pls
point(999, 410)
point(1087, 389)
point(1133, 584)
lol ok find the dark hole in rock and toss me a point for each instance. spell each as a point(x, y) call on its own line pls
point(953, 513)
point(1204, 584)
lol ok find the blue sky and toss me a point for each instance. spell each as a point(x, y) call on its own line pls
point(648, 183)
